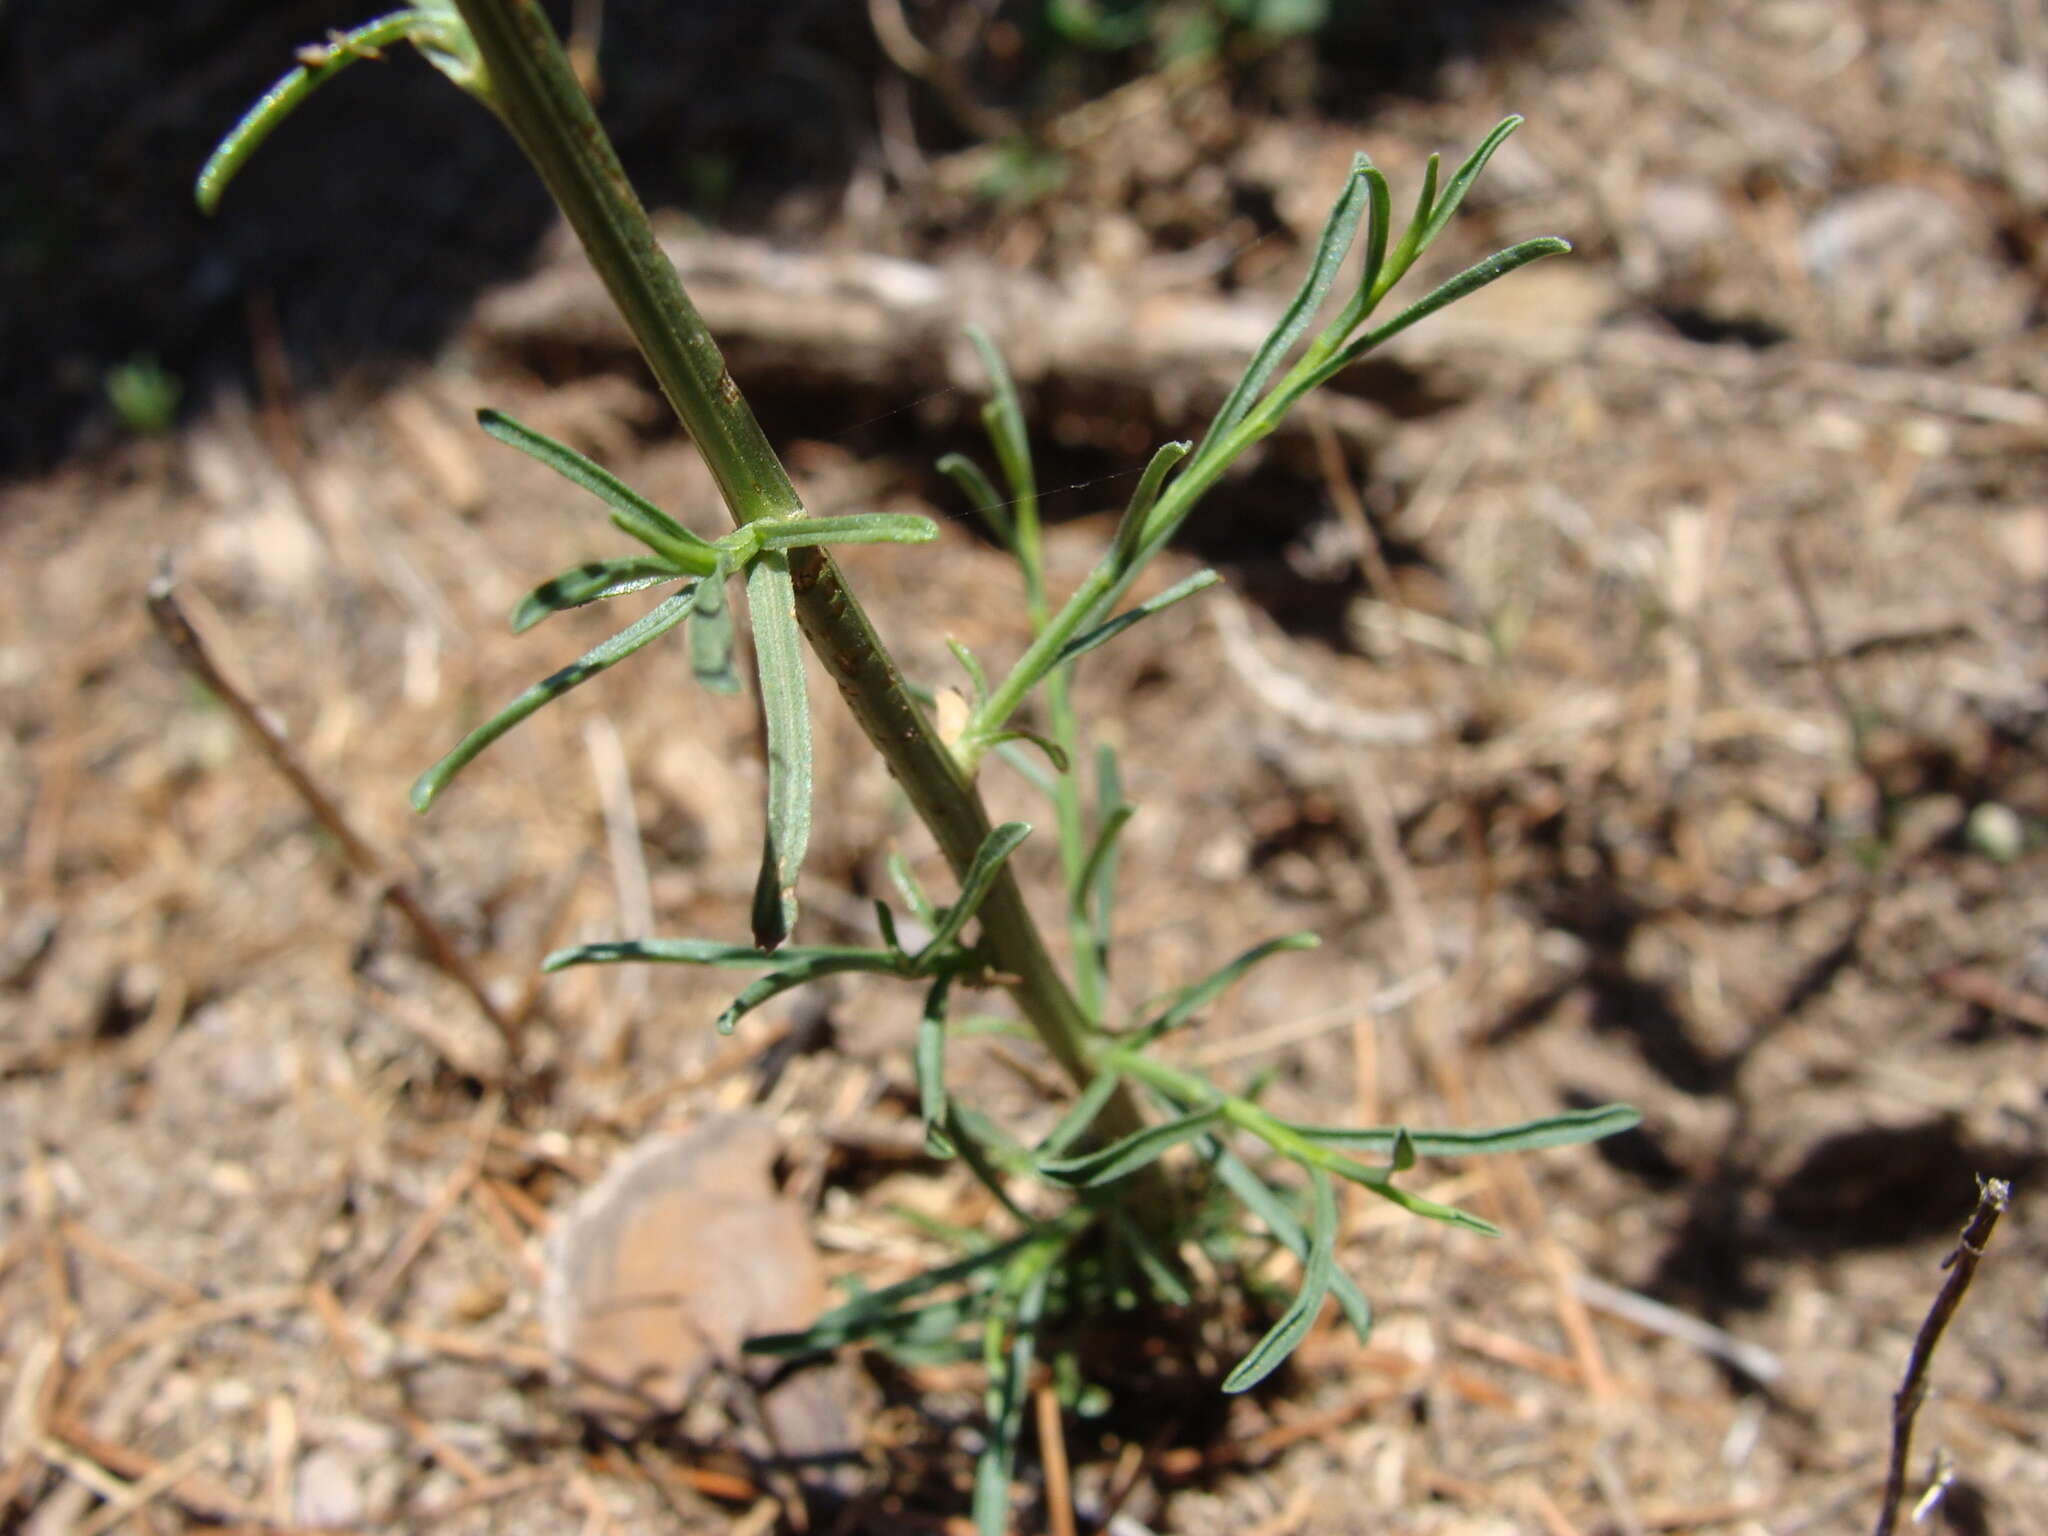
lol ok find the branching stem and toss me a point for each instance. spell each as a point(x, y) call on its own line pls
point(535, 91)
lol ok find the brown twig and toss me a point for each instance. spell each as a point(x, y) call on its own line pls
point(1052, 1453)
point(1961, 1264)
point(101, 1463)
point(172, 623)
point(82, 1239)
point(1986, 991)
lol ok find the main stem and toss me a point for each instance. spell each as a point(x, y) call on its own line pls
point(536, 94)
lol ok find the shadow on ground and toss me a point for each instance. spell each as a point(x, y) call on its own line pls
point(364, 230)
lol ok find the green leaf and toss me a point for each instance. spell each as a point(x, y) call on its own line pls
point(1331, 250)
point(712, 640)
point(613, 651)
point(984, 1148)
point(908, 1334)
point(886, 921)
point(861, 528)
point(1264, 1203)
point(859, 1318)
point(283, 98)
point(929, 1059)
point(1130, 528)
point(1410, 244)
point(1318, 1270)
point(1080, 645)
point(1098, 873)
point(1197, 995)
point(1381, 1181)
point(1054, 752)
point(981, 875)
point(976, 678)
point(732, 957)
point(1009, 1382)
point(802, 972)
point(589, 583)
point(1462, 179)
point(911, 891)
point(1080, 1115)
point(1565, 1130)
point(1101, 862)
point(981, 491)
point(779, 655)
point(1121, 1158)
point(632, 512)
point(1003, 417)
point(1367, 294)
point(1467, 282)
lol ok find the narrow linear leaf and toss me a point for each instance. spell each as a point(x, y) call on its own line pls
point(981, 491)
point(648, 629)
point(981, 875)
point(911, 1328)
point(633, 512)
point(996, 1464)
point(760, 990)
point(1318, 1270)
point(969, 664)
point(1080, 1115)
point(885, 920)
point(1101, 858)
point(779, 654)
point(1081, 644)
point(1195, 996)
point(1381, 1182)
point(712, 640)
point(1265, 1203)
point(1003, 416)
point(860, 528)
point(1125, 1157)
point(907, 886)
point(589, 583)
point(1462, 179)
point(1467, 282)
point(1054, 752)
point(983, 1148)
point(854, 1321)
point(1029, 1278)
point(285, 97)
point(1130, 529)
point(929, 1059)
point(1409, 246)
point(1098, 874)
point(1331, 249)
point(733, 957)
point(1379, 227)
point(1565, 1130)
point(1379, 216)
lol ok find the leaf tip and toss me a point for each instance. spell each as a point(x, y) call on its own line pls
point(425, 790)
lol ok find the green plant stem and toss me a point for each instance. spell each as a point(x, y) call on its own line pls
point(535, 92)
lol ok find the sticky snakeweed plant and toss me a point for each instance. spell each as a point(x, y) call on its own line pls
point(1099, 1221)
